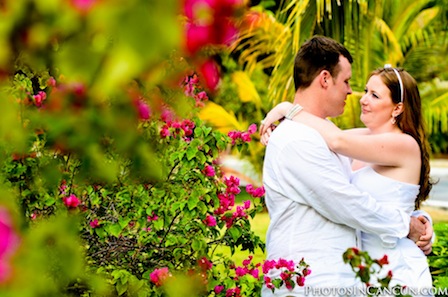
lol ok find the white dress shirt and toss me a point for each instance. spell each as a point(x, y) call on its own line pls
point(314, 210)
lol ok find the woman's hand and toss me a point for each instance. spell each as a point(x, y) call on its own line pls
point(267, 124)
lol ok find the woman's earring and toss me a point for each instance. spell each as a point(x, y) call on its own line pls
point(393, 120)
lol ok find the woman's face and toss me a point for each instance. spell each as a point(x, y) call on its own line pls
point(376, 104)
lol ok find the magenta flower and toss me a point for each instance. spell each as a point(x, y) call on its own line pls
point(159, 276)
point(143, 109)
point(200, 98)
point(205, 264)
point(209, 171)
point(196, 37)
point(252, 129)
point(167, 115)
point(300, 280)
point(210, 73)
point(39, 98)
point(33, 216)
point(94, 224)
point(83, 5)
point(152, 217)
point(71, 201)
point(9, 241)
point(210, 221)
point(218, 289)
point(255, 192)
point(51, 82)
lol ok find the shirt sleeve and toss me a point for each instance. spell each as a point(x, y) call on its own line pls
point(311, 174)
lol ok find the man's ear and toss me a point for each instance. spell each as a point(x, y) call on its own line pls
point(324, 78)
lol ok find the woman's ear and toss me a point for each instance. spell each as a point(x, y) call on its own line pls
point(398, 109)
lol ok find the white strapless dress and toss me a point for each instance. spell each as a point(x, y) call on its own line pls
point(407, 262)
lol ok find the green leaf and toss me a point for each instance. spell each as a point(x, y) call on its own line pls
point(235, 232)
point(121, 288)
point(191, 152)
point(192, 202)
point(196, 244)
point(124, 222)
point(114, 229)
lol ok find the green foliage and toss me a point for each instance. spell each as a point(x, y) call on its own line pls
point(438, 260)
point(113, 179)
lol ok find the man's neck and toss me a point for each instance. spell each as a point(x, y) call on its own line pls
point(310, 103)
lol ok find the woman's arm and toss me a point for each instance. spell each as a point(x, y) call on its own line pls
point(276, 113)
point(388, 149)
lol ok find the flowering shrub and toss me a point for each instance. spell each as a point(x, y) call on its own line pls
point(369, 271)
point(291, 274)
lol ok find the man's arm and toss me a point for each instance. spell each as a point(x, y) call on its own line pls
point(423, 239)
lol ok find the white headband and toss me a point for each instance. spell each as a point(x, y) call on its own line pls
point(387, 66)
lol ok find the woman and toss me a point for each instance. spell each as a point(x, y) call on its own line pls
point(390, 159)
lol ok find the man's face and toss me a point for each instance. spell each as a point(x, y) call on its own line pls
point(340, 88)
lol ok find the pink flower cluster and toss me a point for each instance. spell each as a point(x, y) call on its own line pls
point(39, 98)
point(83, 6)
point(94, 224)
point(289, 270)
point(143, 109)
point(9, 241)
point(192, 88)
point(152, 217)
point(248, 268)
point(238, 136)
point(175, 128)
point(205, 264)
point(210, 22)
point(255, 192)
point(227, 199)
point(71, 201)
point(210, 221)
point(159, 276)
point(209, 171)
point(227, 202)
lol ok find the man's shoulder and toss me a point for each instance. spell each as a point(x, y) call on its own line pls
point(289, 131)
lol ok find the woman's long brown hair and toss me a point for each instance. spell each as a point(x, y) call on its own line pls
point(410, 121)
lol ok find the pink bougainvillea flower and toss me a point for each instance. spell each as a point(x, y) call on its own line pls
point(228, 32)
point(51, 82)
point(255, 192)
point(209, 71)
point(83, 5)
point(159, 276)
point(209, 171)
point(210, 221)
point(144, 112)
point(39, 98)
point(9, 241)
point(218, 289)
point(152, 217)
point(71, 201)
point(252, 129)
point(205, 264)
point(94, 224)
point(196, 37)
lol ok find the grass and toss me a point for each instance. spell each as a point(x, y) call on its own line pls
point(261, 221)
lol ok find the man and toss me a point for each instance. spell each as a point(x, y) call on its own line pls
point(313, 208)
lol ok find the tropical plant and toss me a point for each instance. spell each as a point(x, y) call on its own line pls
point(375, 32)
